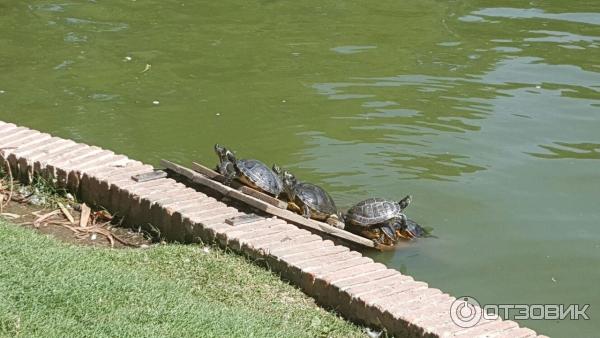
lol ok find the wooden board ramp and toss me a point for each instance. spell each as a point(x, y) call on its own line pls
point(249, 191)
point(206, 177)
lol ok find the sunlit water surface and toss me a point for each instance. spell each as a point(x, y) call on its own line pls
point(487, 112)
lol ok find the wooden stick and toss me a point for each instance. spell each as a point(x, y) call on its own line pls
point(66, 213)
point(44, 217)
point(266, 207)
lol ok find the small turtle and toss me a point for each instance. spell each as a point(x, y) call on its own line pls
point(252, 173)
point(307, 199)
point(382, 220)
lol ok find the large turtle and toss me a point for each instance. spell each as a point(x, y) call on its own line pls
point(382, 220)
point(252, 173)
point(307, 199)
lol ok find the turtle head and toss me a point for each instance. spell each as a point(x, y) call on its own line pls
point(224, 153)
point(409, 229)
point(277, 170)
point(405, 202)
point(226, 166)
point(289, 183)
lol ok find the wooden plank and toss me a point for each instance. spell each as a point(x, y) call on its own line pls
point(263, 197)
point(266, 207)
point(246, 190)
point(206, 171)
point(149, 176)
point(85, 215)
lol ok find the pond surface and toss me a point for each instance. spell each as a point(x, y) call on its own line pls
point(487, 112)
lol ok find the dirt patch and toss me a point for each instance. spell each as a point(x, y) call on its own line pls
point(100, 229)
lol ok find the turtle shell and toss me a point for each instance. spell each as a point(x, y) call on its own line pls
point(258, 175)
point(317, 199)
point(372, 211)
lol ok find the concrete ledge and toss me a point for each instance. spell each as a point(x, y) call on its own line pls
point(334, 275)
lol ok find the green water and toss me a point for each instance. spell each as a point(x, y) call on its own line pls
point(488, 112)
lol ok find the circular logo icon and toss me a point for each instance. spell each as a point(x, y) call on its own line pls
point(465, 311)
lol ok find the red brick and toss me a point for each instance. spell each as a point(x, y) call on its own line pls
point(26, 158)
point(330, 255)
point(107, 163)
point(292, 238)
point(217, 215)
point(347, 283)
point(159, 216)
point(26, 138)
point(208, 233)
point(22, 155)
point(139, 211)
point(109, 191)
point(12, 134)
point(316, 262)
point(404, 303)
point(202, 207)
point(276, 227)
point(264, 240)
point(6, 128)
point(284, 252)
point(325, 281)
point(75, 176)
point(174, 196)
point(296, 238)
point(62, 160)
point(316, 269)
point(497, 326)
point(40, 162)
point(233, 230)
point(377, 286)
point(196, 198)
point(35, 143)
point(445, 328)
point(436, 306)
point(333, 249)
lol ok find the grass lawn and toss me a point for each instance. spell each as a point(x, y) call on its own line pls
point(52, 289)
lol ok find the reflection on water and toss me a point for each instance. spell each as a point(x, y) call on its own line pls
point(589, 151)
point(487, 113)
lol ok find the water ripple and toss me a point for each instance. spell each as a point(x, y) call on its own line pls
point(534, 13)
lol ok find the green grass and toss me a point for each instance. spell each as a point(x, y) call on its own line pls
point(52, 289)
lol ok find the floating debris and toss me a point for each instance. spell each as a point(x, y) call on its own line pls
point(127, 58)
point(156, 102)
point(148, 66)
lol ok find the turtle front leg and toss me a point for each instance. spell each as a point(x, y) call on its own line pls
point(306, 211)
point(388, 230)
point(228, 171)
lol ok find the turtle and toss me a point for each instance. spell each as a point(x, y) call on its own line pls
point(307, 199)
point(250, 172)
point(382, 220)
